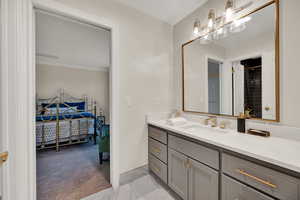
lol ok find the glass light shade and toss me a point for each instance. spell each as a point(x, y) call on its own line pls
point(211, 19)
point(229, 10)
point(197, 27)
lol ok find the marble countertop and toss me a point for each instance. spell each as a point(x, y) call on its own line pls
point(278, 151)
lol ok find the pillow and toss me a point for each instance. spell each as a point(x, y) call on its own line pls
point(79, 105)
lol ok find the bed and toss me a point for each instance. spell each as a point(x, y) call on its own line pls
point(65, 120)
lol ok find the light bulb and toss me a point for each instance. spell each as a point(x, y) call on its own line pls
point(228, 14)
point(196, 30)
point(210, 23)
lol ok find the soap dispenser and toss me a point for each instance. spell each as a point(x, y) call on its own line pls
point(241, 123)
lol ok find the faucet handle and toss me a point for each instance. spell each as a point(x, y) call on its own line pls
point(213, 120)
point(206, 121)
point(223, 124)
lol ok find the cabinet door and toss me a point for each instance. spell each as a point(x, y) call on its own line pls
point(178, 173)
point(203, 182)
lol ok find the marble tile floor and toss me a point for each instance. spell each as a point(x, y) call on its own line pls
point(146, 187)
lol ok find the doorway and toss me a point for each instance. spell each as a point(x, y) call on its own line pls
point(253, 86)
point(72, 107)
point(214, 89)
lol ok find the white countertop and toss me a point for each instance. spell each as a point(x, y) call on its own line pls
point(278, 151)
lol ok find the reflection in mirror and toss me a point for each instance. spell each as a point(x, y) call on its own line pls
point(235, 73)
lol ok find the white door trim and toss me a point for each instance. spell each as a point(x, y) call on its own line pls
point(4, 98)
point(18, 92)
point(61, 9)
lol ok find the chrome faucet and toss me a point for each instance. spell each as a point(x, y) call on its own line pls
point(212, 120)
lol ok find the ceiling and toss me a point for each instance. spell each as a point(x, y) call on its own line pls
point(70, 43)
point(170, 11)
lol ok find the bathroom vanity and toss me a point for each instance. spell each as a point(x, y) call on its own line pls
point(215, 165)
point(230, 70)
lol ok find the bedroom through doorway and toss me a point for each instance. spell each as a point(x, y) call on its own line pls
point(73, 62)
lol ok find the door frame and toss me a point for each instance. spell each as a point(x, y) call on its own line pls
point(215, 58)
point(18, 91)
point(4, 169)
point(60, 9)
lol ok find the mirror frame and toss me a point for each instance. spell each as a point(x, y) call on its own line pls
point(277, 67)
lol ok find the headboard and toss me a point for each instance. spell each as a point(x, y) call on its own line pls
point(62, 97)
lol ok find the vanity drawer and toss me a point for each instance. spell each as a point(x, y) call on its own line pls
point(198, 152)
point(158, 168)
point(158, 134)
point(158, 149)
point(272, 182)
point(233, 190)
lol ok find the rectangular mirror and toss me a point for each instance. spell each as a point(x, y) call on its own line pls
point(236, 71)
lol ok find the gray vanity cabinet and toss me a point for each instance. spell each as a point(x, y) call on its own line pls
point(178, 173)
point(193, 170)
point(203, 182)
point(190, 179)
point(233, 190)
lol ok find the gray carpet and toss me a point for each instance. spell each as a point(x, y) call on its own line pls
point(71, 174)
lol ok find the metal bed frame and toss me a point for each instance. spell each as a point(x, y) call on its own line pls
point(81, 135)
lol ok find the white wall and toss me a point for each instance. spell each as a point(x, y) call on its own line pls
point(76, 82)
point(145, 68)
point(289, 64)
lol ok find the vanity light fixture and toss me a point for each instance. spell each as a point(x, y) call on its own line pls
point(219, 27)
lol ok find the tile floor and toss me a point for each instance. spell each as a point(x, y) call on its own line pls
point(144, 188)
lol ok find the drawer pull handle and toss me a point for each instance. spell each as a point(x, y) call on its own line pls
point(156, 169)
point(157, 150)
point(256, 178)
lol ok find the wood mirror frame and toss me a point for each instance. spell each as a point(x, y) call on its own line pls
point(277, 67)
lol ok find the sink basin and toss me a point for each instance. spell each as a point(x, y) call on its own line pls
point(196, 128)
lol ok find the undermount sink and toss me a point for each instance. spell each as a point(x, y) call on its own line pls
point(195, 128)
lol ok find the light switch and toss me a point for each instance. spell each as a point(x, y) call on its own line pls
point(129, 101)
